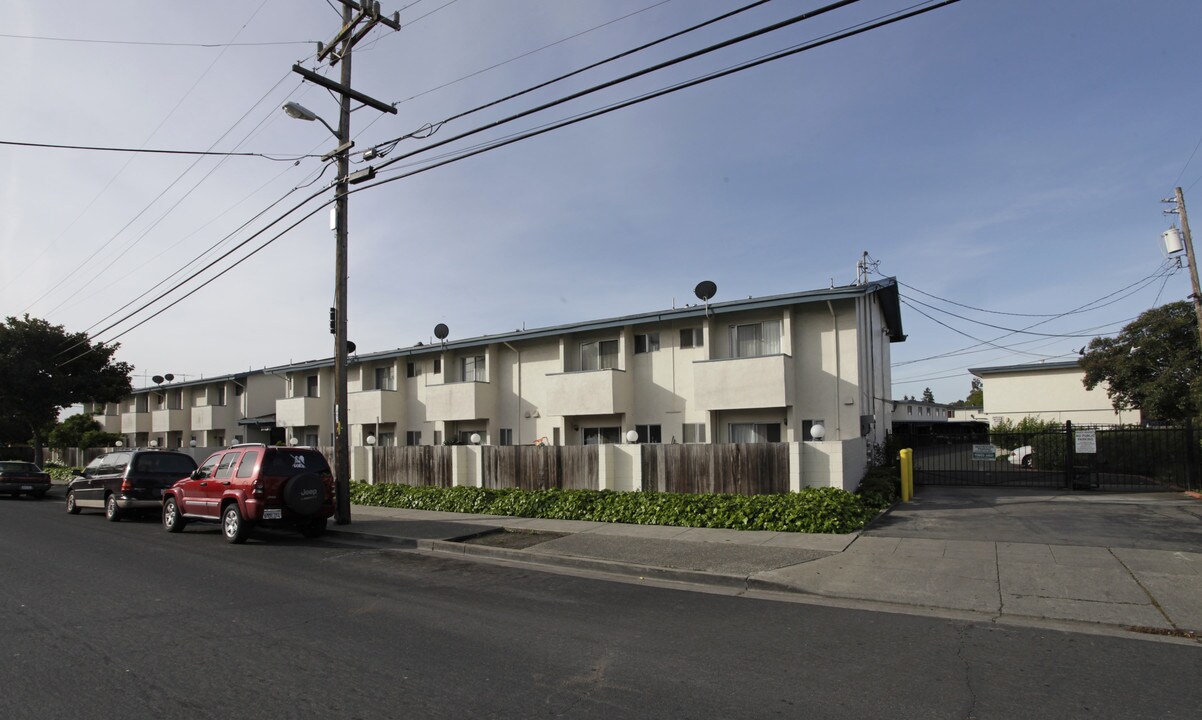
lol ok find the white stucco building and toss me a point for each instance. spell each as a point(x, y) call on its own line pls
point(1047, 391)
point(756, 370)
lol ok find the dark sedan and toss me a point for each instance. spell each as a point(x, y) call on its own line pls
point(17, 477)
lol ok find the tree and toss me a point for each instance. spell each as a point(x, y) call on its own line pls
point(1153, 365)
point(81, 431)
point(976, 394)
point(44, 369)
point(928, 396)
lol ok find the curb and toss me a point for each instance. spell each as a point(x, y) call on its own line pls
point(449, 547)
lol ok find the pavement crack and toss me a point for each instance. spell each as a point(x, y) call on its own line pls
point(1151, 597)
point(961, 640)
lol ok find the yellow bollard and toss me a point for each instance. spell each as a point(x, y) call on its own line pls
point(907, 474)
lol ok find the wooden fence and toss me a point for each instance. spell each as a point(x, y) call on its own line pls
point(529, 467)
point(744, 469)
point(414, 465)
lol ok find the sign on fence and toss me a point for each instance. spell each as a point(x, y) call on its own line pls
point(1086, 441)
point(983, 452)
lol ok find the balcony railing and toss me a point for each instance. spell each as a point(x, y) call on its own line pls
point(214, 417)
point(460, 401)
point(302, 411)
point(169, 420)
point(741, 383)
point(589, 392)
point(371, 406)
point(135, 422)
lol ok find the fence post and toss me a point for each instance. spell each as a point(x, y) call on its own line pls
point(1191, 457)
point(907, 474)
point(1069, 478)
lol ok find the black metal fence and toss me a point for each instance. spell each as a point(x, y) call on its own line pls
point(1071, 457)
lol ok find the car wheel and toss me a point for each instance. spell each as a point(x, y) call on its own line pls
point(1027, 461)
point(112, 513)
point(313, 528)
point(173, 522)
point(233, 525)
point(71, 506)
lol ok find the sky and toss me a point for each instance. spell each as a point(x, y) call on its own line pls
point(1005, 161)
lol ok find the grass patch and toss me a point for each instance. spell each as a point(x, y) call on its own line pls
point(813, 510)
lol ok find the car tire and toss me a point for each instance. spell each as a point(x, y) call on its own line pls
point(173, 521)
point(313, 528)
point(305, 494)
point(1027, 461)
point(112, 513)
point(71, 506)
point(233, 526)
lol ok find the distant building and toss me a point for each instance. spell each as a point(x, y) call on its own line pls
point(1047, 391)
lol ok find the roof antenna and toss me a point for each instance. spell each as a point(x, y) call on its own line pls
point(705, 290)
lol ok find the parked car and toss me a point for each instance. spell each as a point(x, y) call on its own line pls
point(254, 484)
point(18, 476)
point(124, 481)
point(1024, 456)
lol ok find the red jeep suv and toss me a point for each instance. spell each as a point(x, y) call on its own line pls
point(254, 484)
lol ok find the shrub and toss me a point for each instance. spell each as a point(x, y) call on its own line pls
point(881, 487)
point(814, 510)
point(61, 473)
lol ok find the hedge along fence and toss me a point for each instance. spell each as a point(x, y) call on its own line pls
point(813, 510)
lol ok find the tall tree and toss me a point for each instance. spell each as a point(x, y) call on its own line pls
point(976, 394)
point(44, 369)
point(1153, 365)
point(928, 396)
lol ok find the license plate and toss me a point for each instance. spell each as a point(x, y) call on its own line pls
point(273, 514)
point(26, 487)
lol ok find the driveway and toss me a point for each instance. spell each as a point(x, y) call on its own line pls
point(1152, 521)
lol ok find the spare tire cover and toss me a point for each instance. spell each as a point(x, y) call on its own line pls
point(305, 494)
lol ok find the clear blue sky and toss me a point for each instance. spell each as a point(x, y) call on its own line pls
point(1009, 156)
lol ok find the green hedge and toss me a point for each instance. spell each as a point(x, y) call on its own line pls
point(61, 473)
point(813, 510)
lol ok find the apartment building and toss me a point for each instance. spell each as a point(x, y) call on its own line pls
point(1047, 391)
point(767, 369)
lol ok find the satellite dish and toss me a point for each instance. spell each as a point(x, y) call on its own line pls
point(157, 379)
point(350, 346)
point(705, 290)
point(441, 331)
point(168, 377)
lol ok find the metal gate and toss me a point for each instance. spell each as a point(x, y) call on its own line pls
point(1095, 457)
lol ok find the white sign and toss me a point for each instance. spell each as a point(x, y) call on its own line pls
point(983, 452)
point(1086, 441)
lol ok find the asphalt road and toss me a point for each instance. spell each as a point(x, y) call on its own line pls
point(122, 620)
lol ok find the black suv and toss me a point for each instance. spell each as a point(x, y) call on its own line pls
point(127, 480)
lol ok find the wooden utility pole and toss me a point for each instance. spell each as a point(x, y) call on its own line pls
point(1193, 266)
point(358, 18)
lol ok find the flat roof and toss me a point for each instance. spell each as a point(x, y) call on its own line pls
point(1029, 367)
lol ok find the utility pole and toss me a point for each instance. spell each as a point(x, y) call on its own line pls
point(358, 18)
point(1189, 258)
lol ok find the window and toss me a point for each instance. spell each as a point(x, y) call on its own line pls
point(141, 403)
point(413, 437)
point(412, 369)
point(311, 439)
point(437, 365)
point(386, 439)
point(909, 409)
point(311, 386)
point(755, 339)
point(692, 337)
point(555, 437)
point(206, 470)
point(649, 433)
point(694, 432)
point(506, 436)
point(754, 432)
point(219, 395)
point(599, 355)
point(438, 437)
point(385, 378)
point(218, 440)
point(226, 468)
point(472, 368)
point(602, 436)
point(246, 468)
point(646, 343)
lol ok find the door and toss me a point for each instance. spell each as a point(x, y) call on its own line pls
point(191, 495)
point(88, 492)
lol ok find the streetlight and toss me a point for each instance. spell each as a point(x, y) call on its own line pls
point(342, 447)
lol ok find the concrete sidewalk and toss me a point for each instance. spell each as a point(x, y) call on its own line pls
point(1157, 591)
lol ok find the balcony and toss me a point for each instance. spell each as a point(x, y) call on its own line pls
point(743, 383)
point(372, 406)
point(588, 392)
point(214, 417)
point(169, 420)
point(460, 401)
point(302, 412)
point(135, 422)
point(108, 423)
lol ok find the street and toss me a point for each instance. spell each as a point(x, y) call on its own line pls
point(122, 620)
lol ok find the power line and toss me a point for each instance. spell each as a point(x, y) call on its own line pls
point(100, 41)
point(150, 151)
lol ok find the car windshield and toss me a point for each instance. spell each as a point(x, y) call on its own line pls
point(15, 466)
point(174, 463)
point(286, 463)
